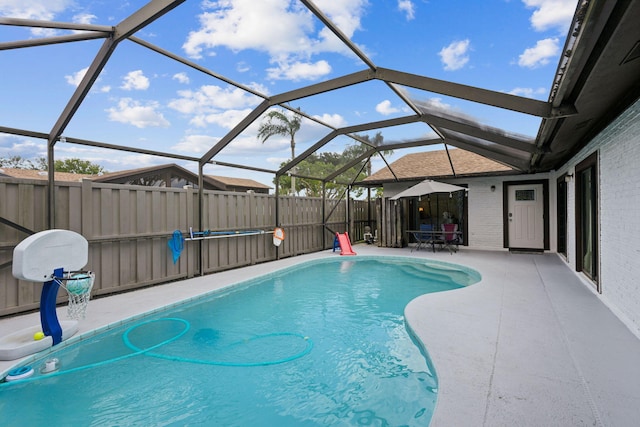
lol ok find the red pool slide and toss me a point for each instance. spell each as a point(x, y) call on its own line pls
point(345, 244)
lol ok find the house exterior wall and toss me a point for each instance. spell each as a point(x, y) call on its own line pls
point(486, 209)
point(485, 206)
point(485, 213)
point(618, 148)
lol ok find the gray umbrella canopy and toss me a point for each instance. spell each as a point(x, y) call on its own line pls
point(427, 186)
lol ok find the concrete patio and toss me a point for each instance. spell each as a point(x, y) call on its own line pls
point(530, 345)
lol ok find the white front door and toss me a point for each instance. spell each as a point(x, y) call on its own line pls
point(526, 216)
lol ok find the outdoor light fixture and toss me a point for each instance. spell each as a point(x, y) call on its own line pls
point(493, 188)
point(568, 177)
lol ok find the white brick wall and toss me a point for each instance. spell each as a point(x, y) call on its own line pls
point(619, 214)
point(485, 214)
point(486, 209)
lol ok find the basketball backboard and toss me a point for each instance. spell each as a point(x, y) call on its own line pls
point(35, 258)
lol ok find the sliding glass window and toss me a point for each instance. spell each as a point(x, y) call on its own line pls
point(587, 218)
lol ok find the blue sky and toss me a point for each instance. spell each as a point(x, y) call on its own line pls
point(145, 100)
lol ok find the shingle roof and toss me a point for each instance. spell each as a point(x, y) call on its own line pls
point(239, 182)
point(42, 175)
point(106, 177)
point(435, 164)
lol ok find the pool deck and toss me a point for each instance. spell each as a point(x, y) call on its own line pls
point(530, 345)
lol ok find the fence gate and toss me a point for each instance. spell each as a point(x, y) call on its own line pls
point(391, 223)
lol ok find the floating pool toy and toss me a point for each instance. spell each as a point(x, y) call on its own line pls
point(19, 373)
point(278, 236)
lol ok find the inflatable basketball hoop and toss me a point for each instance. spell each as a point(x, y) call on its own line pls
point(54, 258)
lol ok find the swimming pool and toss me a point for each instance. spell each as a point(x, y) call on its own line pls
point(323, 343)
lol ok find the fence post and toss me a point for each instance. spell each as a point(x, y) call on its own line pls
point(191, 250)
point(86, 209)
point(324, 213)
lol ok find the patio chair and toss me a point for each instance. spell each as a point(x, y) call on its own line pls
point(425, 236)
point(450, 236)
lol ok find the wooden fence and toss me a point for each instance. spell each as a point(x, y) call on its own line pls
point(392, 222)
point(129, 228)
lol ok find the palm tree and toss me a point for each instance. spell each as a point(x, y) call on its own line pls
point(279, 123)
point(362, 148)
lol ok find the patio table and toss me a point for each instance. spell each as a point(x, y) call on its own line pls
point(433, 237)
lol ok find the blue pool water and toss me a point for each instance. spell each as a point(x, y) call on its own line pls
point(323, 343)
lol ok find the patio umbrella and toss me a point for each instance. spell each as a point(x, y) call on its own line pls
point(427, 186)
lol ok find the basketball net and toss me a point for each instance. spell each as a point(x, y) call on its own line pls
point(78, 286)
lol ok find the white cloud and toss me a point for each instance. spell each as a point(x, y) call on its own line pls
point(335, 120)
point(75, 78)
point(210, 104)
point(33, 9)
point(84, 18)
point(249, 145)
point(247, 24)
point(540, 54)
point(242, 145)
point(181, 78)
point(407, 7)
point(105, 158)
point(243, 67)
point(135, 80)
point(345, 14)
point(226, 119)
point(385, 108)
point(212, 99)
point(551, 14)
point(27, 148)
point(277, 161)
point(437, 104)
point(134, 113)
point(299, 71)
point(196, 144)
point(42, 10)
point(455, 55)
point(246, 146)
point(528, 92)
point(439, 108)
point(124, 161)
point(258, 87)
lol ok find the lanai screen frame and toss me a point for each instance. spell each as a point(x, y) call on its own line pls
point(489, 142)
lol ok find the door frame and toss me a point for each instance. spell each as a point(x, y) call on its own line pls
point(562, 214)
point(505, 209)
point(591, 162)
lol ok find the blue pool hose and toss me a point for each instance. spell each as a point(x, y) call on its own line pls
point(149, 352)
